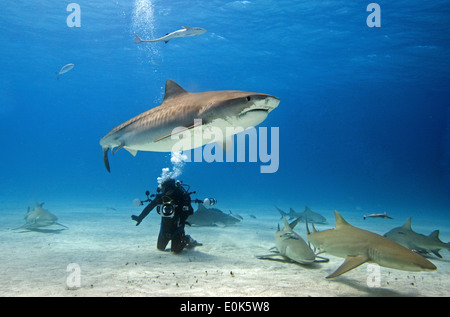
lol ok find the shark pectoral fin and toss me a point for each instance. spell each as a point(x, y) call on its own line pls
point(105, 158)
point(196, 124)
point(116, 149)
point(132, 152)
point(436, 253)
point(321, 259)
point(350, 263)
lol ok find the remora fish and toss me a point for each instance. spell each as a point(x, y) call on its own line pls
point(185, 31)
point(38, 218)
point(152, 130)
point(359, 246)
point(64, 69)
point(211, 217)
point(290, 245)
point(374, 215)
point(405, 236)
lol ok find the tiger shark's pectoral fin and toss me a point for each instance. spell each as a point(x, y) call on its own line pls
point(105, 158)
point(350, 263)
point(196, 124)
point(117, 149)
point(132, 152)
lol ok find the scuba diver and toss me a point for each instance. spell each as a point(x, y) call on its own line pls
point(173, 203)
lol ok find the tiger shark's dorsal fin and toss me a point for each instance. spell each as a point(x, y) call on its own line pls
point(340, 221)
point(173, 89)
point(407, 224)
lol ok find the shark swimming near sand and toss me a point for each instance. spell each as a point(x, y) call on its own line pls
point(211, 217)
point(307, 214)
point(39, 217)
point(290, 246)
point(359, 246)
point(185, 31)
point(182, 111)
point(405, 236)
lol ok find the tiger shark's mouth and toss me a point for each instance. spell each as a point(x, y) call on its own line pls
point(254, 111)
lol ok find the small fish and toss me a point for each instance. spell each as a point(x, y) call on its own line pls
point(64, 69)
point(383, 215)
point(185, 31)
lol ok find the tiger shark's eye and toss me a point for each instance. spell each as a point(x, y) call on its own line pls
point(249, 98)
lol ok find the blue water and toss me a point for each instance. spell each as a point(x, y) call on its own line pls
point(364, 118)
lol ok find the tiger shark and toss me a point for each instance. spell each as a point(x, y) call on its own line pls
point(185, 31)
point(359, 246)
point(157, 129)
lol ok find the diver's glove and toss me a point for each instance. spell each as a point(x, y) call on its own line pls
point(137, 219)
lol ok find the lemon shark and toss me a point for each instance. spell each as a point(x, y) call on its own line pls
point(405, 236)
point(291, 246)
point(185, 31)
point(182, 111)
point(359, 246)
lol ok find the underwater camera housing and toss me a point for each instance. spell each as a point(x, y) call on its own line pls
point(209, 201)
point(137, 202)
point(166, 210)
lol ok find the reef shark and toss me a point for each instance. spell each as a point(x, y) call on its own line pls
point(405, 236)
point(291, 246)
point(180, 112)
point(211, 217)
point(38, 218)
point(185, 31)
point(359, 246)
point(307, 214)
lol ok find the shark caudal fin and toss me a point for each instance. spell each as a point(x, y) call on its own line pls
point(105, 158)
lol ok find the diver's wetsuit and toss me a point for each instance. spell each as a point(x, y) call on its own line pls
point(172, 228)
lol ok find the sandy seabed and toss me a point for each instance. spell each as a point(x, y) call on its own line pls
point(115, 258)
